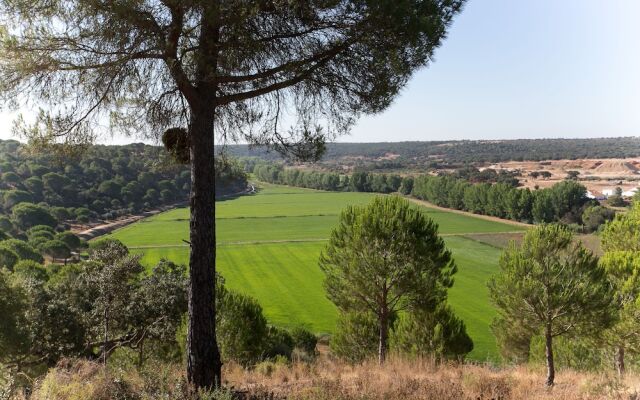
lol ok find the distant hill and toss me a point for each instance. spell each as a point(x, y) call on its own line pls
point(466, 151)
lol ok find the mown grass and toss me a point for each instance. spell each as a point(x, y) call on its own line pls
point(269, 243)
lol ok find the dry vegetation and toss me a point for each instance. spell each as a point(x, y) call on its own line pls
point(596, 174)
point(328, 380)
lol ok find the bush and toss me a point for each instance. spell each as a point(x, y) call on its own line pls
point(440, 334)
point(593, 217)
point(240, 326)
point(31, 269)
point(616, 201)
point(356, 337)
point(278, 343)
point(305, 341)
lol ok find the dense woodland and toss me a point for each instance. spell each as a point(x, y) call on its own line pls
point(375, 156)
point(41, 197)
point(104, 183)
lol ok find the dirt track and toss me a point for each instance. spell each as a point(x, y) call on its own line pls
point(469, 214)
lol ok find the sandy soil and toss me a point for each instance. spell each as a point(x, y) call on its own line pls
point(596, 174)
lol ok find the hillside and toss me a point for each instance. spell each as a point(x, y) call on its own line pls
point(394, 154)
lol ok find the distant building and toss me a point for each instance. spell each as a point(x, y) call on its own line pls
point(630, 193)
point(596, 196)
point(608, 192)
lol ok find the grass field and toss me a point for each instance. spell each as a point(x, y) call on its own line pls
point(269, 243)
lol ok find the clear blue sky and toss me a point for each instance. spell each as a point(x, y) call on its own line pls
point(518, 69)
point(524, 69)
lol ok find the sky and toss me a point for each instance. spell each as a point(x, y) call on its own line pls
point(517, 69)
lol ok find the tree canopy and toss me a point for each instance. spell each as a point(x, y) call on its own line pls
point(229, 67)
point(550, 285)
point(621, 260)
point(384, 258)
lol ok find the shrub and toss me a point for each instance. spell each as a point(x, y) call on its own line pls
point(241, 326)
point(29, 268)
point(278, 342)
point(304, 341)
point(440, 334)
point(356, 337)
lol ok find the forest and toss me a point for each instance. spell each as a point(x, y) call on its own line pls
point(105, 182)
point(459, 153)
point(44, 200)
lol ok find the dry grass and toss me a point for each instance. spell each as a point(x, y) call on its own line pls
point(332, 380)
point(422, 379)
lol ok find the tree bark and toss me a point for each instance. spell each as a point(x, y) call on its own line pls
point(620, 361)
point(203, 356)
point(551, 371)
point(384, 335)
point(106, 335)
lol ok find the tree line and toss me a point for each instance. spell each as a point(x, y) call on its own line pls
point(486, 193)
point(422, 154)
point(563, 202)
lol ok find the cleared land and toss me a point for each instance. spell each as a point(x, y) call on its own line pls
point(596, 175)
point(269, 245)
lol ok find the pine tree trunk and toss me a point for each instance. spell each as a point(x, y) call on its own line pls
point(384, 334)
point(551, 371)
point(203, 357)
point(620, 361)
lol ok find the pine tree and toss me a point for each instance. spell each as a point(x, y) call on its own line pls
point(205, 69)
point(385, 258)
point(551, 285)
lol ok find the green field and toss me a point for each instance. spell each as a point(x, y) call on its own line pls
point(268, 247)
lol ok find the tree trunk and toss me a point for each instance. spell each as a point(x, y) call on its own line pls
point(551, 371)
point(384, 334)
point(106, 335)
point(203, 357)
point(141, 353)
point(620, 361)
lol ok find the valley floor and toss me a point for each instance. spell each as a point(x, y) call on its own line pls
point(269, 244)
